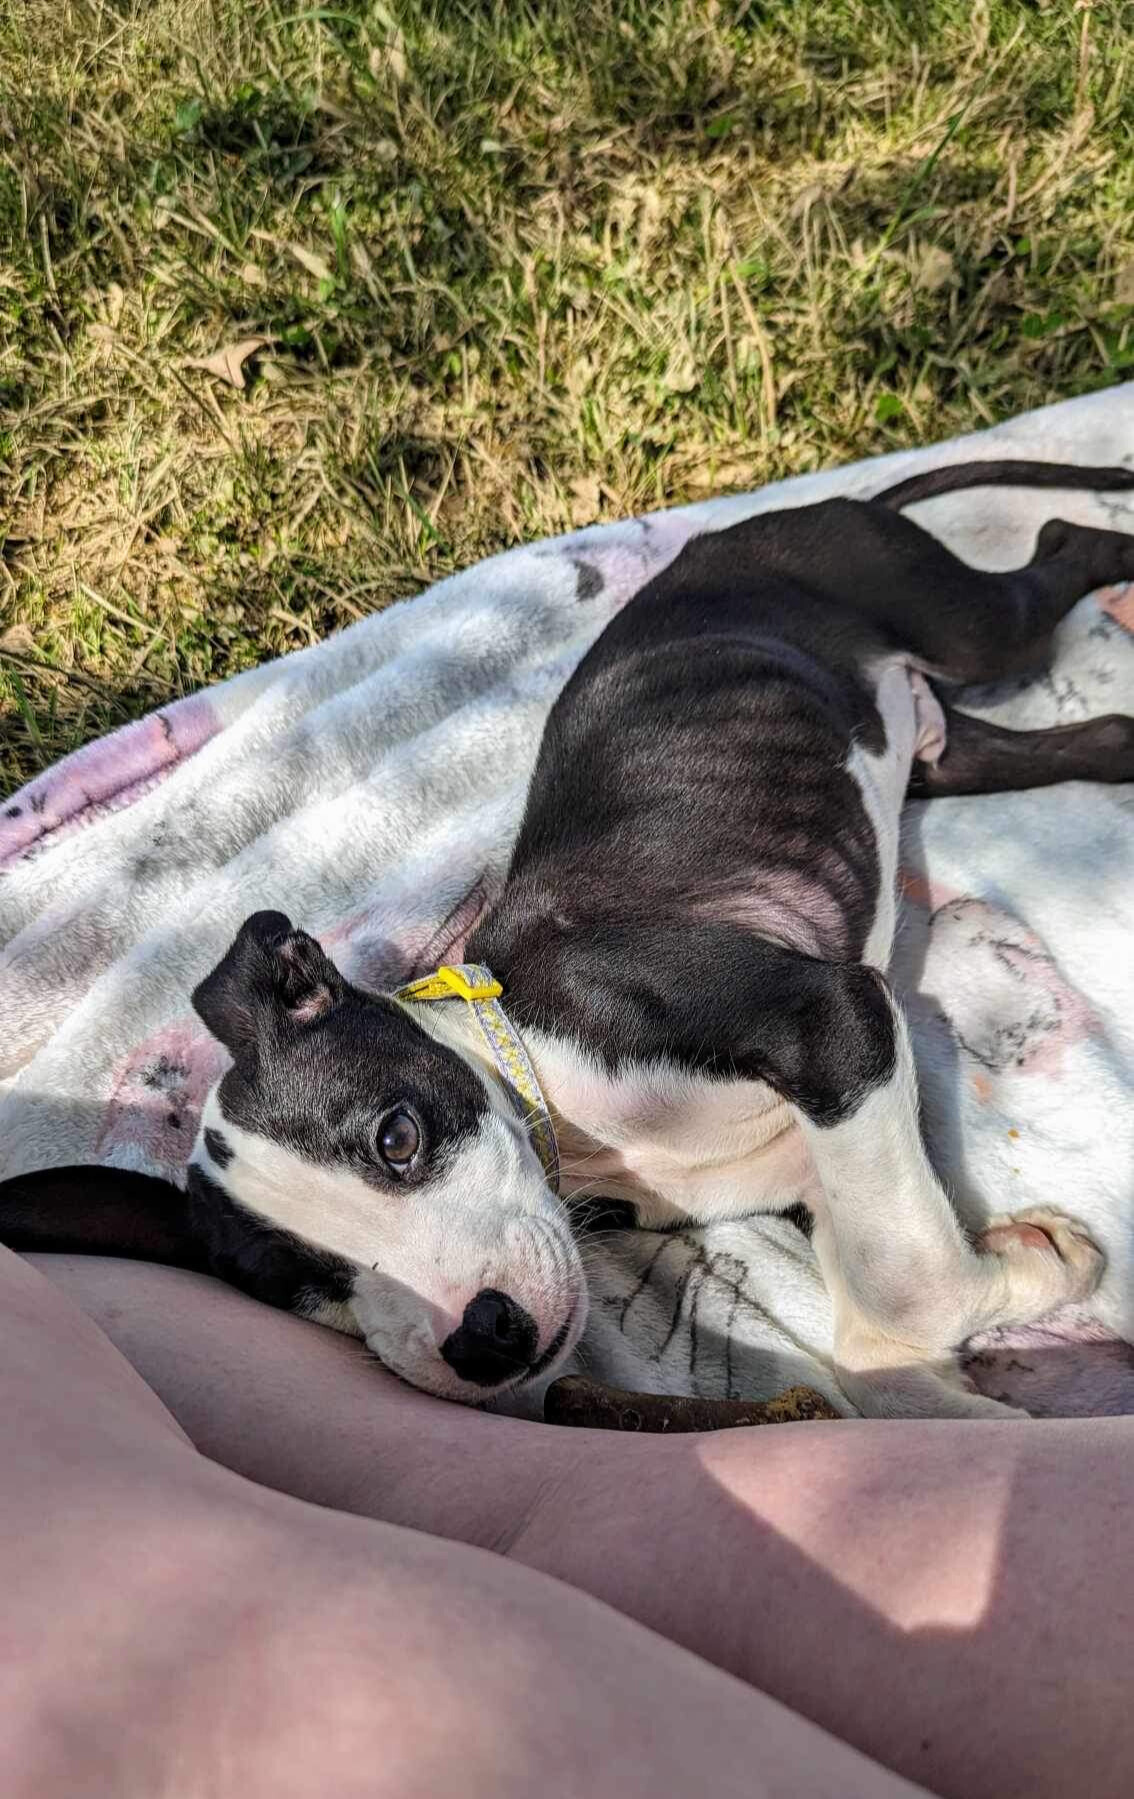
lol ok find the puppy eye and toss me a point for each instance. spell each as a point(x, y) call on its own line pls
point(399, 1139)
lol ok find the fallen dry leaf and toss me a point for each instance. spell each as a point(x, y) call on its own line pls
point(19, 640)
point(113, 303)
point(807, 198)
point(314, 265)
point(681, 375)
point(720, 476)
point(934, 269)
point(390, 57)
point(229, 361)
point(586, 496)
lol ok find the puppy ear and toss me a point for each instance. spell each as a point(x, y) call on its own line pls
point(307, 983)
point(271, 974)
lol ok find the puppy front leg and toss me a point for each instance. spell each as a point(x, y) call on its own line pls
point(907, 1286)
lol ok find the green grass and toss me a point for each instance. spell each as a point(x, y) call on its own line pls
point(521, 264)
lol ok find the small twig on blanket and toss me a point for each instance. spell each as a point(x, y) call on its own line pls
point(591, 1405)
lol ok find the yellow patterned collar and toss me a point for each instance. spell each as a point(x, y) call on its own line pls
point(477, 987)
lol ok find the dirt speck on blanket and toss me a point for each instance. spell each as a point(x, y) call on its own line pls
point(371, 787)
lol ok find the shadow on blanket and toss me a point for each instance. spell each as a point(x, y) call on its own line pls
point(654, 1303)
point(1069, 1365)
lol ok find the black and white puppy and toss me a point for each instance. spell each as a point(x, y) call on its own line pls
point(692, 940)
point(348, 1167)
point(352, 1167)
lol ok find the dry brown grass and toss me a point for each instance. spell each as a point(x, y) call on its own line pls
point(517, 266)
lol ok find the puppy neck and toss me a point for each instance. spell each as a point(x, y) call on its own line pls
point(452, 1024)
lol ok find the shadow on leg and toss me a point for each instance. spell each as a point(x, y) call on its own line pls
point(906, 1285)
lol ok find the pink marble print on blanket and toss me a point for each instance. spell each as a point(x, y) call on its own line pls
point(1013, 1012)
point(1118, 604)
point(369, 952)
point(1028, 1015)
point(617, 564)
point(1009, 1006)
point(1068, 1366)
point(105, 775)
point(157, 1093)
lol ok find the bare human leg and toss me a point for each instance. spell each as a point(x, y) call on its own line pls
point(952, 1597)
point(168, 1627)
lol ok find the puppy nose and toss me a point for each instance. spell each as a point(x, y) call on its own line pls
point(495, 1340)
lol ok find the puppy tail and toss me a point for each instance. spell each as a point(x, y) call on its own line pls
point(959, 475)
point(98, 1211)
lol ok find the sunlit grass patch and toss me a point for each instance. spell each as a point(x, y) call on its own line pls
point(512, 266)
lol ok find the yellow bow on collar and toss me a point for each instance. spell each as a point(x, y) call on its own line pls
point(480, 990)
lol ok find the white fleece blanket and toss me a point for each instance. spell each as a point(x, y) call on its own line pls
point(370, 787)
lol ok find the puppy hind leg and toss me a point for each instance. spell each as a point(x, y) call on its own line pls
point(979, 757)
point(907, 1286)
point(1069, 562)
point(1074, 559)
point(1012, 617)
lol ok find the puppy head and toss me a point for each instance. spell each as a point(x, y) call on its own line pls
point(350, 1167)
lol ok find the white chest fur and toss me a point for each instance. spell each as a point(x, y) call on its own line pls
point(677, 1145)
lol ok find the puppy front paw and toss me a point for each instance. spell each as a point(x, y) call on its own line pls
point(1047, 1258)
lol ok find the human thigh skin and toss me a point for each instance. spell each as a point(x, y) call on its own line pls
point(169, 1627)
point(881, 1580)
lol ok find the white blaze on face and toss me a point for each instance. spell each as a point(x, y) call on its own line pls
point(423, 1249)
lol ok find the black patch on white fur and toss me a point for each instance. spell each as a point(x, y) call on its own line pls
point(590, 1216)
point(802, 1217)
point(98, 1211)
point(219, 1147)
point(320, 1063)
point(270, 1264)
point(714, 999)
